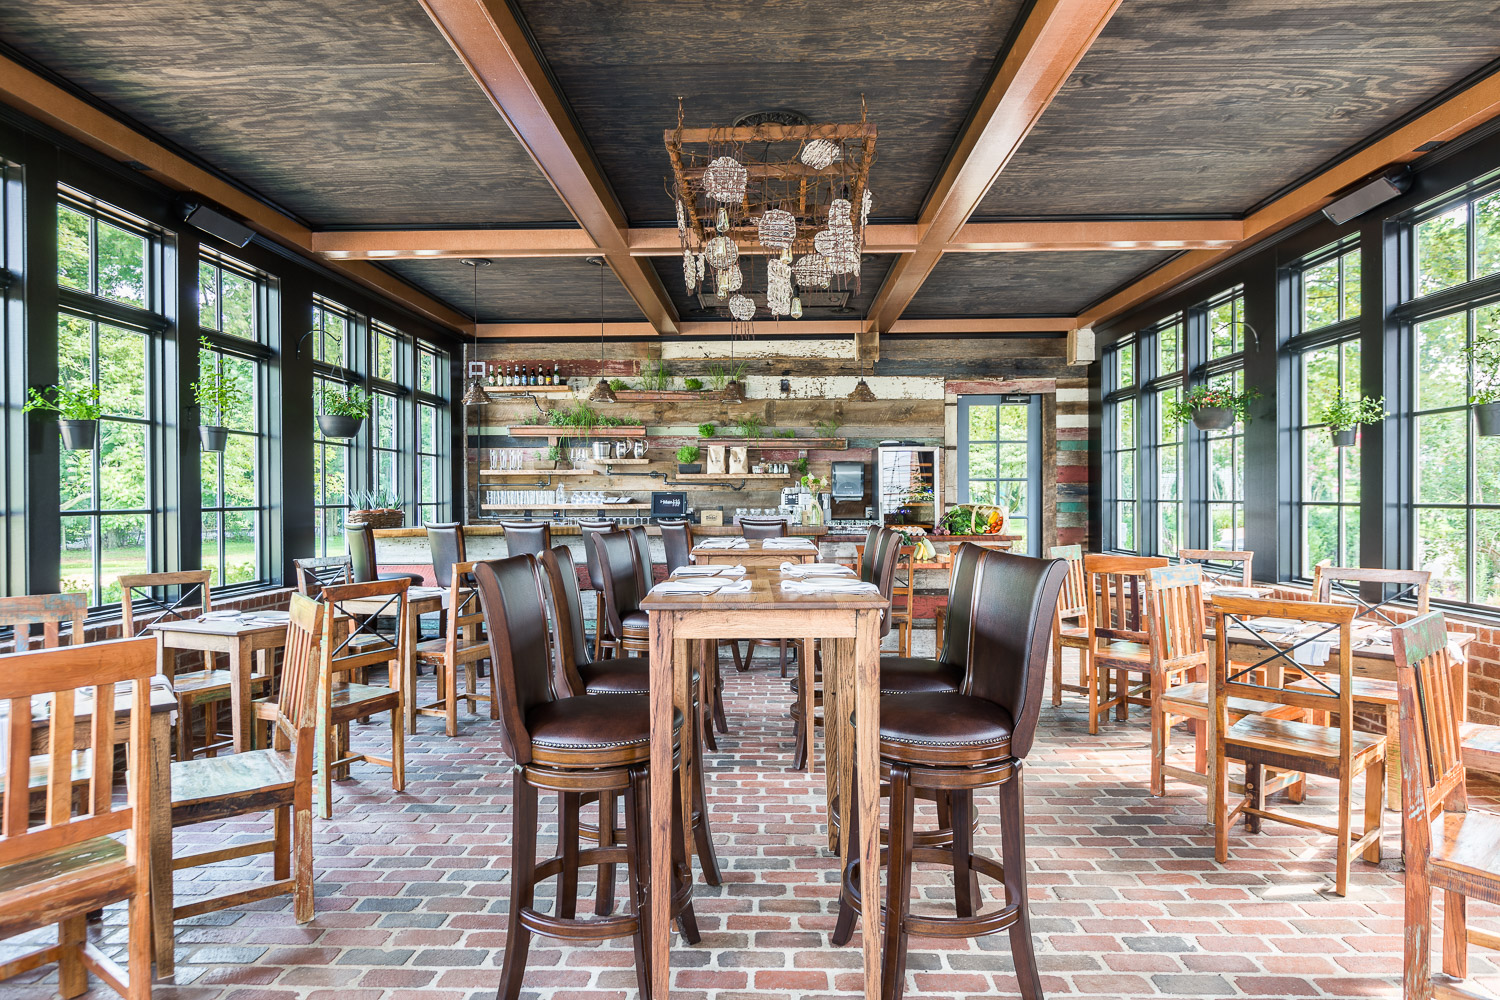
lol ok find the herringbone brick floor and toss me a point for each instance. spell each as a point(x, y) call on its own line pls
point(1126, 897)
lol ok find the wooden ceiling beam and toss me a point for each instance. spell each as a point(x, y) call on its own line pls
point(1044, 53)
point(831, 328)
point(496, 49)
point(1465, 110)
point(48, 103)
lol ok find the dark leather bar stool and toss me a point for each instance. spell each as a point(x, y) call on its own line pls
point(956, 743)
point(360, 539)
point(446, 543)
point(619, 564)
point(752, 528)
point(575, 672)
point(602, 639)
point(527, 538)
point(677, 540)
point(573, 746)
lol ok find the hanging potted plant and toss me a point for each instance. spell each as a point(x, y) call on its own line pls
point(343, 412)
point(1484, 359)
point(1212, 407)
point(77, 413)
point(1343, 417)
point(687, 461)
point(215, 392)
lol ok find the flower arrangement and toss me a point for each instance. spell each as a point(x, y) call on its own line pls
point(814, 484)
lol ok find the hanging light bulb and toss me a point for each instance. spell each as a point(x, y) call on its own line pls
point(474, 394)
point(786, 255)
point(723, 218)
point(796, 307)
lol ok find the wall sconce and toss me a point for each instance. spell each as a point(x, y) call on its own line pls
point(786, 386)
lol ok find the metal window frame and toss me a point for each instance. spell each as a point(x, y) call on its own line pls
point(1033, 403)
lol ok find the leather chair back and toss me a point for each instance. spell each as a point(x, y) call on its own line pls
point(677, 540)
point(527, 538)
point(1010, 626)
point(360, 540)
point(590, 555)
point(642, 543)
point(515, 618)
point(446, 543)
point(883, 568)
point(620, 568)
point(763, 527)
point(570, 645)
point(961, 581)
point(867, 554)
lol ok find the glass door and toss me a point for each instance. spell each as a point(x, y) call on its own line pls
point(999, 461)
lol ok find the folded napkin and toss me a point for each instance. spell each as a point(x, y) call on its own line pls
point(686, 571)
point(1235, 592)
point(787, 543)
point(815, 569)
point(741, 586)
point(1275, 625)
point(1312, 654)
point(721, 543)
point(828, 585)
point(697, 586)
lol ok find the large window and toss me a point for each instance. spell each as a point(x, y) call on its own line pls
point(109, 294)
point(1120, 422)
point(332, 334)
point(1224, 496)
point(999, 447)
point(1165, 438)
point(233, 310)
point(432, 433)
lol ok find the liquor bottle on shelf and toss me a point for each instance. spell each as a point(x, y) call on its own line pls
point(530, 376)
point(523, 375)
point(510, 379)
point(556, 377)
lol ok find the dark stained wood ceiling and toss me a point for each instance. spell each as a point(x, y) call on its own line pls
point(1211, 106)
point(345, 112)
point(513, 289)
point(1055, 283)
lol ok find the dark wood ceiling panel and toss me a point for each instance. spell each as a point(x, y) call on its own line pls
point(515, 289)
point(1208, 106)
point(1025, 284)
point(872, 272)
point(345, 112)
point(622, 67)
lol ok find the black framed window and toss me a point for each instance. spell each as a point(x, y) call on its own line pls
point(1164, 527)
point(999, 451)
point(1221, 502)
point(333, 333)
point(1121, 413)
point(433, 471)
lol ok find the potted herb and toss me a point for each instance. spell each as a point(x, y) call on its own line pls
point(343, 412)
point(687, 460)
point(1343, 417)
point(1484, 358)
point(77, 413)
point(706, 430)
point(377, 508)
point(828, 428)
point(549, 458)
point(751, 426)
point(1212, 407)
point(692, 384)
point(618, 385)
point(215, 392)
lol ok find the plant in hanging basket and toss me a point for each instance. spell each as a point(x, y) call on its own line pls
point(215, 392)
point(341, 412)
point(377, 508)
point(77, 412)
point(1484, 366)
point(1343, 417)
point(1212, 407)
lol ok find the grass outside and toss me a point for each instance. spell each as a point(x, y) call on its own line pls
point(77, 568)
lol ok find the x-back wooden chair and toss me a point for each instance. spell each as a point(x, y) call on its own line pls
point(462, 646)
point(1220, 567)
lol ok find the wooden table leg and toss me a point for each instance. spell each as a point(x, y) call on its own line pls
point(835, 734)
point(866, 671)
point(161, 842)
point(410, 635)
point(663, 690)
point(242, 721)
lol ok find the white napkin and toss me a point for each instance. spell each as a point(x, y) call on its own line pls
point(815, 569)
point(741, 586)
point(787, 543)
point(722, 543)
point(701, 586)
point(828, 585)
point(1312, 654)
point(705, 571)
point(1275, 625)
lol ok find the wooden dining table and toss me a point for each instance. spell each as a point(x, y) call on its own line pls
point(243, 639)
point(685, 630)
point(753, 553)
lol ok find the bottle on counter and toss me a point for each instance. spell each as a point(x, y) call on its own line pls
point(556, 376)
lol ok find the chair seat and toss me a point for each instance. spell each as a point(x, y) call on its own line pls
point(1481, 746)
point(205, 779)
point(918, 674)
point(429, 650)
point(71, 878)
point(1300, 739)
point(636, 623)
point(1465, 844)
point(202, 682)
point(1074, 637)
point(1132, 653)
point(606, 730)
point(937, 728)
point(350, 700)
point(620, 675)
point(1366, 689)
point(1196, 696)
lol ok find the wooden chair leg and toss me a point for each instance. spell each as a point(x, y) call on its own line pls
point(636, 825)
point(72, 978)
point(398, 748)
point(1057, 666)
point(494, 693)
point(716, 689)
point(1455, 934)
point(139, 948)
point(1218, 799)
point(1374, 808)
point(1013, 861)
point(1341, 873)
point(567, 849)
point(281, 843)
point(1122, 692)
point(898, 884)
point(604, 887)
point(522, 885)
point(703, 839)
point(781, 651)
point(1095, 681)
point(1417, 940)
point(449, 672)
point(325, 770)
point(302, 853)
point(1161, 725)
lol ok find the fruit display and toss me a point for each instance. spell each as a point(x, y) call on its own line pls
point(974, 519)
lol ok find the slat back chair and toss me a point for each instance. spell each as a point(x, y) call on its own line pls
point(461, 646)
point(1221, 567)
point(763, 527)
point(1262, 741)
point(1119, 645)
point(316, 572)
point(1448, 848)
point(1068, 626)
point(903, 595)
point(677, 543)
point(54, 872)
point(527, 537)
point(364, 565)
point(278, 779)
point(49, 611)
point(349, 645)
point(645, 569)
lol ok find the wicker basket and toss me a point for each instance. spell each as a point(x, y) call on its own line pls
point(384, 517)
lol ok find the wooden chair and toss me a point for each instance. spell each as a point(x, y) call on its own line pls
point(1119, 646)
point(1221, 567)
point(208, 689)
point(1261, 741)
point(903, 597)
point(762, 528)
point(461, 645)
point(677, 544)
point(58, 871)
point(50, 612)
point(278, 780)
point(1072, 606)
point(348, 643)
point(315, 572)
point(573, 746)
point(1448, 847)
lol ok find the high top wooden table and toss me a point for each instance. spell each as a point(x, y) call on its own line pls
point(242, 639)
point(755, 553)
point(685, 629)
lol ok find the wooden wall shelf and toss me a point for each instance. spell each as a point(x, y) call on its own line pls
point(551, 431)
point(819, 444)
point(540, 472)
point(522, 390)
point(564, 506)
point(621, 461)
point(735, 476)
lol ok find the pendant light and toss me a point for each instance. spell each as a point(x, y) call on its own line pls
point(602, 392)
point(861, 393)
point(475, 395)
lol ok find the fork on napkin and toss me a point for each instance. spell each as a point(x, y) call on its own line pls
point(703, 586)
point(686, 571)
point(787, 543)
point(828, 585)
point(815, 569)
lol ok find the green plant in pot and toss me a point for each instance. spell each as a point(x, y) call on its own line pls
point(692, 384)
point(706, 430)
point(215, 392)
point(77, 413)
point(377, 508)
point(1213, 407)
point(1484, 365)
point(340, 413)
point(551, 457)
point(687, 460)
point(1344, 416)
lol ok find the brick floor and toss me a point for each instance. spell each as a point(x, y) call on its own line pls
point(1127, 900)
